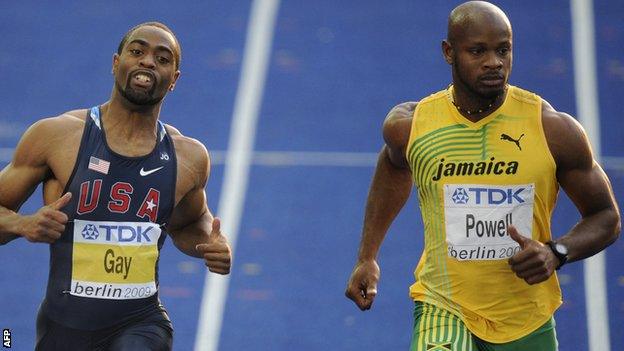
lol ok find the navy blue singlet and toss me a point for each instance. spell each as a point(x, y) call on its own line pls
point(104, 268)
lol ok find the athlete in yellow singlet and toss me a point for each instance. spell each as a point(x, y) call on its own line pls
point(487, 159)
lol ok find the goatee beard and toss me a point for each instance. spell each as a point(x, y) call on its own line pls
point(141, 98)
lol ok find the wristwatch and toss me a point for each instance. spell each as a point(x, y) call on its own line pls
point(560, 250)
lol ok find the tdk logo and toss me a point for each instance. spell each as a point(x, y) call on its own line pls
point(493, 196)
point(460, 196)
point(126, 233)
point(90, 232)
point(118, 233)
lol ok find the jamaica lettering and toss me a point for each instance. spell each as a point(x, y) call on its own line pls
point(466, 168)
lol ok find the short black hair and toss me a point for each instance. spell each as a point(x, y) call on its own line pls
point(177, 53)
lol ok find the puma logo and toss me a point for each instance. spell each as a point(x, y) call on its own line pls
point(508, 138)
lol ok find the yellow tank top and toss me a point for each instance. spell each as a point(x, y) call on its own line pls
point(474, 179)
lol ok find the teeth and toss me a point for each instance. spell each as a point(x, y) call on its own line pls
point(143, 78)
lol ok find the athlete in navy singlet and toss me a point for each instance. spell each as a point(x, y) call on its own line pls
point(104, 263)
point(116, 182)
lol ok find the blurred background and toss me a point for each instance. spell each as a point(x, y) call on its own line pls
point(333, 70)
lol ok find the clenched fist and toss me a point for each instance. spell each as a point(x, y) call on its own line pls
point(362, 286)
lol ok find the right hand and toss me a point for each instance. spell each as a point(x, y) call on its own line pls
point(47, 224)
point(216, 252)
point(362, 286)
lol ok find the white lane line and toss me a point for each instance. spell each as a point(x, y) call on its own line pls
point(587, 107)
point(241, 140)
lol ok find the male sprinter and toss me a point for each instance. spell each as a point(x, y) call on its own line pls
point(115, 179)
point(487, 159)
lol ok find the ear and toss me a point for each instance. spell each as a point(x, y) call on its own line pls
point(115, 62)
point(176, 75)
point(447, 51)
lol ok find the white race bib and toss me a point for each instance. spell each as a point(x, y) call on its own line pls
point(114, 260)
point(477, 217)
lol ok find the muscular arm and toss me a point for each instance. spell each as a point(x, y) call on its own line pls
point(390, 187)
point(17, 182)
point(586, 184)
point(388, 193)
point(589, 189)
point(192, 228)
point(20, 178)
point(191, 223)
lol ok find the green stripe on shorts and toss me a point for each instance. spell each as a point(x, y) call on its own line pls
point(436, 329)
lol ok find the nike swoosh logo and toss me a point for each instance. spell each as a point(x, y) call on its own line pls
point(144, 173)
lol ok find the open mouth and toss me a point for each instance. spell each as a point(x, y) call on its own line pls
point(143, 79)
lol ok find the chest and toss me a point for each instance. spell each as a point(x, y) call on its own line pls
point(135, 187)
point(502, 151)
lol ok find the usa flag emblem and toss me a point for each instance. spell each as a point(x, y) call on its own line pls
point(98, 165)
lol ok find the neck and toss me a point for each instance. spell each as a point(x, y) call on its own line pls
point(126, 121)
point(474, 106)
point(120, 112)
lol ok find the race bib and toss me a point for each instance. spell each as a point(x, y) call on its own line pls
point(477, 217)
point(114, 260)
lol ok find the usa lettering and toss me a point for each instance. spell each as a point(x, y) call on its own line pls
point(120, 196)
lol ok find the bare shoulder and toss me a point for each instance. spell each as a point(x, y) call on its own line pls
point(66, 122)
point(566, 138)
point(191, 154)
point(402, 111)
point(47, 133)
point(397, 125)
point(556, 119)
point(185, 144)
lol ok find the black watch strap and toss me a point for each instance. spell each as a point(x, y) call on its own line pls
point(560, 251)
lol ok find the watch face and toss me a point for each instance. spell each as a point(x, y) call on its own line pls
point(561, 249)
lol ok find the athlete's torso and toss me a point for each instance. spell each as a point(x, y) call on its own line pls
point(104, 268)
point(474, 179)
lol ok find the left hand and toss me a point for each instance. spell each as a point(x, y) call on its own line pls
point(216, 252)
point(535, 262)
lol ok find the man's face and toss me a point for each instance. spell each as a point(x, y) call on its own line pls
point(482, 57)
point(145, 69)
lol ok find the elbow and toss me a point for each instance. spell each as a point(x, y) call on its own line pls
point(615, 222)
point(618, 228)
